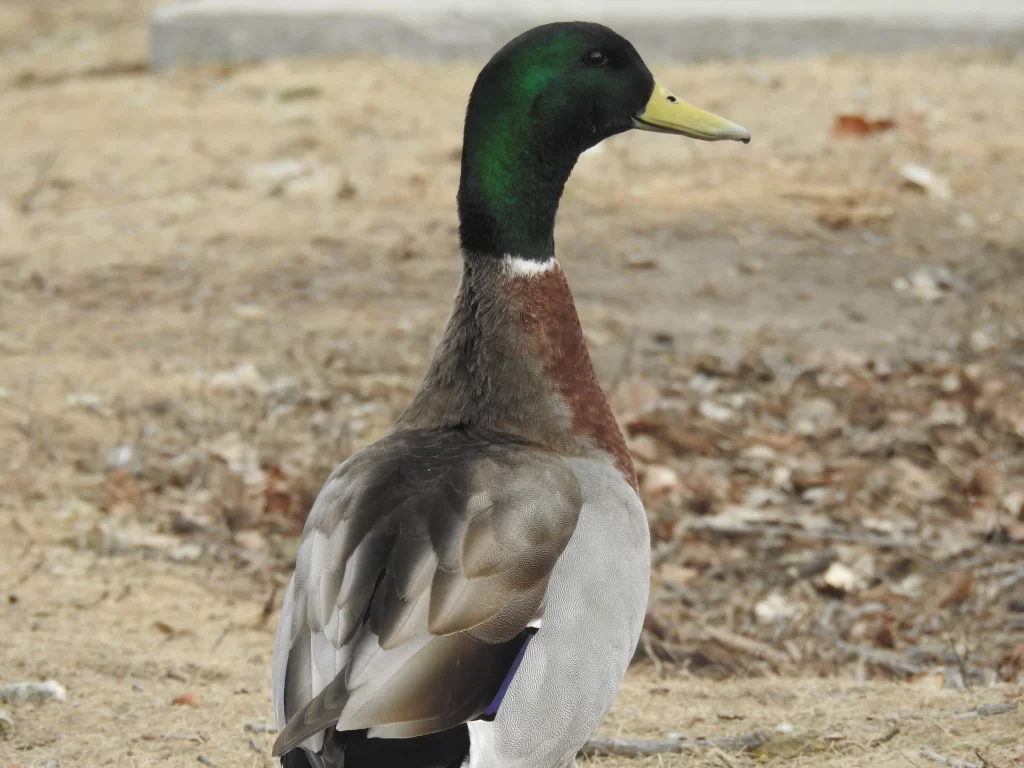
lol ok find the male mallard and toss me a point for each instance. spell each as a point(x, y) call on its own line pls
point(469, 590)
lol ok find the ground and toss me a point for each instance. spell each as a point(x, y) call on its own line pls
point(127, 637)
point(218, 282)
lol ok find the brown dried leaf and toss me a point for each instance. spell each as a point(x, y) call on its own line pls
point(858, 126)
point(1015, 659)
point(124, 494)
point(917, 483)
point(660, 481)
point(676, 575)
point(633, 395)
point(644, 447)
point(985, 481)
point(883, 633)
point(959, 591)
point(185, 700)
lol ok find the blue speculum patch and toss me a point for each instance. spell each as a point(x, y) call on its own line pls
point(492, 708)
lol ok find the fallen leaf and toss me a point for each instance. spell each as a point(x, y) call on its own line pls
point(632, 395)
point(1013, 503)
point(883, 634)
point(1016, 659)
point(185, 700)
point(774, 608)
point(251, 541)
point(841, 578)
point(924, 179)
point(859, 126)
point(959, 591)
point(660, 481)
point(644, 448)
point(985, 481)
point(675, 574)
point(917, 483)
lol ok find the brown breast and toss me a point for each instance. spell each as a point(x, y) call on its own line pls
point(547, 316)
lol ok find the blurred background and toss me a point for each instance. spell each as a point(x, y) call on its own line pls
point(228, 246)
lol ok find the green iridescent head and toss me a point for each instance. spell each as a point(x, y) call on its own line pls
point(542, 100)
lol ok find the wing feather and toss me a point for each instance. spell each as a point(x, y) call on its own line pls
point(423, 560)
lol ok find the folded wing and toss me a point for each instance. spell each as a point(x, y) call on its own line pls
point(422, 563)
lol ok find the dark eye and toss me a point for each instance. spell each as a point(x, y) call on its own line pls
point(595, 59)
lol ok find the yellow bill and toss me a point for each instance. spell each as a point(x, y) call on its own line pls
point(665, 113)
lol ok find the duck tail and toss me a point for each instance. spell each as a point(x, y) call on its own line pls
point(352, 749)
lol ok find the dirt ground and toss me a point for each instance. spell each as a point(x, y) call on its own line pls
point(91, 623)
point(232, 277)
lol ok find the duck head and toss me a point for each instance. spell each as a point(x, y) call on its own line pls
point(542, 100)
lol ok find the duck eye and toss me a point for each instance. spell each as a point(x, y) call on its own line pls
point(595, 59)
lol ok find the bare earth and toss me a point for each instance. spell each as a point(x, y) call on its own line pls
point(90, 623)
point(229, 278)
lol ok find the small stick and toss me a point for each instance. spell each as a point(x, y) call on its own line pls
point(986, 710)
point(876, 656)
point(43, 169)
point(887, 736)
point(220, 638)
point(260, 728)
point(31, 572)
point(649, 747)
point(935, 757)
point(748, 646)
point(268, 607)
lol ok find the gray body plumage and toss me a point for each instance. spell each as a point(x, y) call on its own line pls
point(424, 558)
point(596, 602)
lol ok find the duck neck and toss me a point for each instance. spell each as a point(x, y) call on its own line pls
point(513, 175)
point(513, 360)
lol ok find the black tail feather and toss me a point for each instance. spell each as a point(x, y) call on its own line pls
point(351, 749)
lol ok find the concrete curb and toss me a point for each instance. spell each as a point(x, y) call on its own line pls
point(230, 30)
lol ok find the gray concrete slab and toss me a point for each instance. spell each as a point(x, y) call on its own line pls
point(684, 30)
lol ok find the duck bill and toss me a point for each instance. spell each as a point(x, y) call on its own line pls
point(665, 113)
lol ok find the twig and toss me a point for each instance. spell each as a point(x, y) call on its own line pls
point(38, 566)
point(268, 607)
point(876, 656)
point(887, 736)
point(181, 737)
point(842, 537)
point(1009, 582)
point(666, 549)
point(260, 728)
point(935, 757)
point(986, 710)
point(43, 169)
point(19, 526)
point(648, 747)
point(747, 646)
point(220, 638)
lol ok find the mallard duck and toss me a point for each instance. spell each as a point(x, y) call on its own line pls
point(469, 590)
